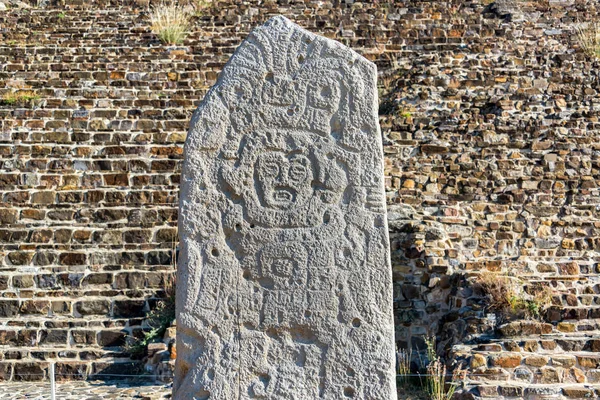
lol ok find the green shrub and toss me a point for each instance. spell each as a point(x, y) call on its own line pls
point(20, 98)
point(157, 320)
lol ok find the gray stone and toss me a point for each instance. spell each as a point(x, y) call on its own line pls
point(284, 281)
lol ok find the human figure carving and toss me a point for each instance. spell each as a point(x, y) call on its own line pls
point(284, 281)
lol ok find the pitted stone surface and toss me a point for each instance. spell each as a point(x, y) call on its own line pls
point(284, 281)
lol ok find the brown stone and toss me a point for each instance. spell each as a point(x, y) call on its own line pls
point(577, 374)
point(488, 391)
point(531, 346)
point(565, 327)
point(478, 360)
point(589, 361)
point(563, 361)
point(577, 392)
point(5, 371)
point(536, 361)
point(46, 197)
point(506, 360)
point(549, 375)
point(27, 371)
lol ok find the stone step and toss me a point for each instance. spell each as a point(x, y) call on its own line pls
point(28, 370)
point(528, 328)
point(541, 346)
point(514, 390)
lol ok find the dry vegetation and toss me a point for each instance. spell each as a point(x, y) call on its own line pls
point(506, 296)
point(432, 381)
point(588, 38)
point(171, 21)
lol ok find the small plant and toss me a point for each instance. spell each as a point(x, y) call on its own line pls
point(21, 98)
point(436, 383)
point(61, 15)
point(404, 358)
point(588, 38)
point(170, 22)
point(200, 6)
point(157, 320)
point(507, 296)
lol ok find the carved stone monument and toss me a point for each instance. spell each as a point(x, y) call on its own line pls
point(284, 281)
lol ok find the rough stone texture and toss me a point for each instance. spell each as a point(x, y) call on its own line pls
point(284, 281)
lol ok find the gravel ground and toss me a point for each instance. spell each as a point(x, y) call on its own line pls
point(121, 390)
point(89, 390)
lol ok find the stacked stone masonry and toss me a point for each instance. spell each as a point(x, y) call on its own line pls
point(489, 113)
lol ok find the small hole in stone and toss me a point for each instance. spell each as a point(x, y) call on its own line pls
point(326, 218)
point(252, 226)
point(348, 392)
point(326, 92)
point(290, 111)
point(270, 77)
point(246, 274)
point(300, 59)
point(350, 372)
point(356, 322)
point(237, 227)
point(346, 252)
point(215, 252)
point(307, 314)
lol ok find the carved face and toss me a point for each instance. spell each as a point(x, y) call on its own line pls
point(283, 180)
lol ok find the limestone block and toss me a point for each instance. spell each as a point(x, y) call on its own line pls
point(284, 282)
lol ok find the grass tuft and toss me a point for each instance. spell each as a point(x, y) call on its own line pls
point(436, 383)
point(170, 22)
point(507, 296)
point(588, 38)
point(20, 98)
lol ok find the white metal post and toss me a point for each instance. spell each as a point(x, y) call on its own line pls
point(52, 382)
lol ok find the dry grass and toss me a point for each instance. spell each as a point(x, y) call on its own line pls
point(404, 358)
point(171, 22)
point(437, 385)
point(588, 38)
point(507, 296)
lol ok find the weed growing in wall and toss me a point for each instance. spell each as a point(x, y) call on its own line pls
point(171, 22)
point(588, 38)
point(20, 98)
point(157, 321)
point(507, 297)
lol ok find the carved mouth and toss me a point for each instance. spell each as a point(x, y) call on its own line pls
point(283, 195)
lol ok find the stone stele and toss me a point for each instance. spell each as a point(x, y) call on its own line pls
point(284, 287)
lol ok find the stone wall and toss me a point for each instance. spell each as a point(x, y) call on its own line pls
point(490, 118)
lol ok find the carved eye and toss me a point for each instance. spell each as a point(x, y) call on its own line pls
point(297, 172)
point(270, 169)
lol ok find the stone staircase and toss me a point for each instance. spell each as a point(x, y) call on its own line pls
point(535, 360)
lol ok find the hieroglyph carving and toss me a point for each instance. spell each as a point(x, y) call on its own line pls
point(284, 282)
